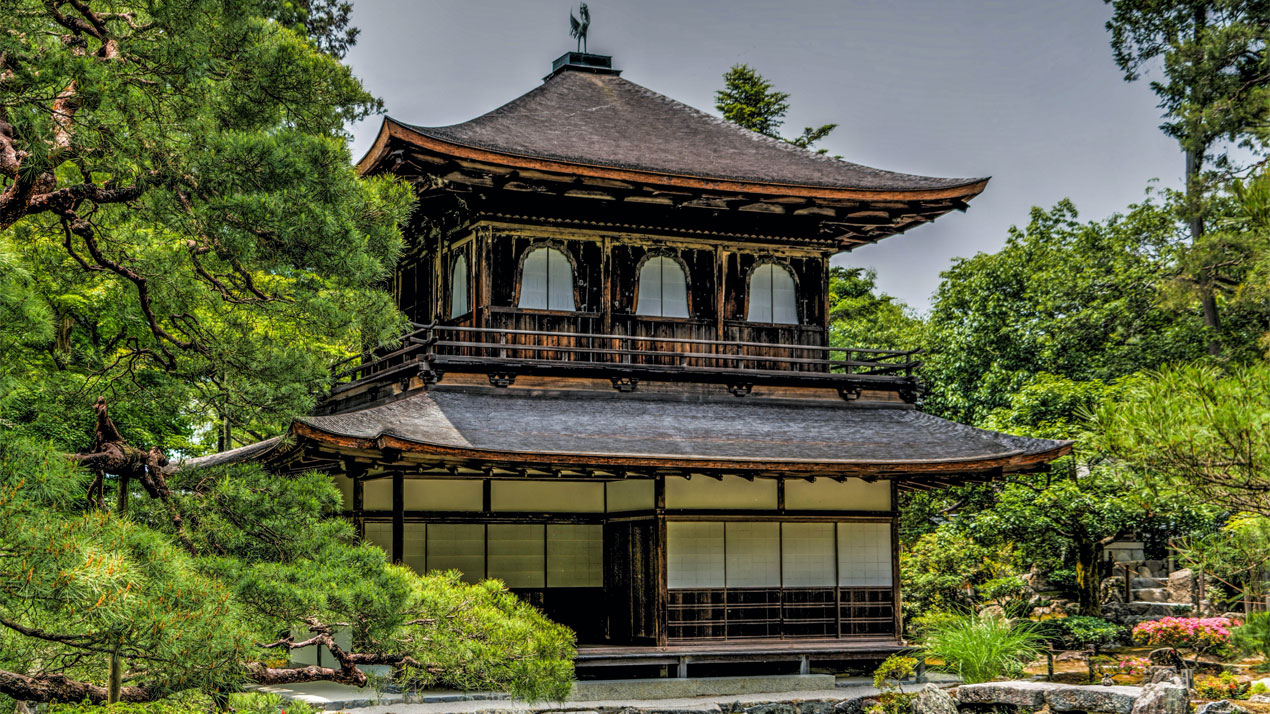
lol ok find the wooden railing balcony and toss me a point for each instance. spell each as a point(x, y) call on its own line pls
point(431, 351)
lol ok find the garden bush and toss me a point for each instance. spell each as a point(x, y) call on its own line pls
point(190, 702)
point(1253, 637)
point(1197, 634)
point(893, 699)
point(1219, 686)
point(1079, 632)
point(981, 648)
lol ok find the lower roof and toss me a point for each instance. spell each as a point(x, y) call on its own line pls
point(615, 430)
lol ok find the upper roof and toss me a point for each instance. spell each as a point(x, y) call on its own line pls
point(631, 431)
point(599, 120)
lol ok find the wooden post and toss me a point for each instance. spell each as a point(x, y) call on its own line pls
point(359, 507)
point(398, 517)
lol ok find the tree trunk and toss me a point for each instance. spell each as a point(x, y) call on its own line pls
point(114, 685)
point(1207, 293)
point(1087, 581)
point(121, 505)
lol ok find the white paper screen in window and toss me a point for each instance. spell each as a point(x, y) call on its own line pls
point(807, 555)
point(864, 554)
point(457, 546)
point(753, 555)
point(694, 555)
point(458, 287)
point(663, 289)
point(516, 554)
point(575, 556)
point(772, 296)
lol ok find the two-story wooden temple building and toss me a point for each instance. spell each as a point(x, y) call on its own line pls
point(621, 398)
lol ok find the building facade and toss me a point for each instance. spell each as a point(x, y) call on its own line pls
point(621, 397)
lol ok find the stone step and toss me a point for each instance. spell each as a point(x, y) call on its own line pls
point(1059, 697)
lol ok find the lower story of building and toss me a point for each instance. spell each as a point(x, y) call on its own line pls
point(660, 562)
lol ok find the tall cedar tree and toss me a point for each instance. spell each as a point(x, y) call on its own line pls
point(749, 100)
point(1215, 88)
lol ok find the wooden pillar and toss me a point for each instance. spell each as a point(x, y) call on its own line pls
point(720, 289)
point(398, 517)
point(895, 559)
point(606, 280)
point(662, 597)
point(359, 507)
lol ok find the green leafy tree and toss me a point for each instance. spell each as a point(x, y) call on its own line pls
point(175, 185)
point(943, 568)
point(1067, 516)
point(207, 586)
point(862, 316)
point(1214, 89)
point(749, 100)
point(1196, 429)
point(1072, 299)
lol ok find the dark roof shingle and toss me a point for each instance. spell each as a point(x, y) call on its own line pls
point(632, 426)
point(606, 121)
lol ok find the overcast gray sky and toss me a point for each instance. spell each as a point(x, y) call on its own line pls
point(1024, 91)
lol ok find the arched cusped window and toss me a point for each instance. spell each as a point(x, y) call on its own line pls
point(663, 288)
point(546, 281)
point(458, 287)
point(772, 295)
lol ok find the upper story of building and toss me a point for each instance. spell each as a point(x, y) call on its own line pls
point(593, 228)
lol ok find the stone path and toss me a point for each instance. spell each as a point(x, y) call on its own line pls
point(336, 697)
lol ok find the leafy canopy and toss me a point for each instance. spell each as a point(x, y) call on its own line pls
point(179, 203)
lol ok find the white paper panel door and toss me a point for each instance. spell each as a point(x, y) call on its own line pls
point(753, 555)
point(864, 554)
point(694, 555)
point(807, 554)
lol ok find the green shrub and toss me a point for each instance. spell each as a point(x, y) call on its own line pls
point(1221, 686)
point(893, 699)
point(1253, 637)
point(1079, 632)
point(979, 649)
point(191, 703)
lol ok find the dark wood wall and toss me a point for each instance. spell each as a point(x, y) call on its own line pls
point(606, 285)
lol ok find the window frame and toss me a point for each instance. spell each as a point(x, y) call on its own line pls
point(749, 292)
point(573, 276)
point(460, 255)
point(639, 285)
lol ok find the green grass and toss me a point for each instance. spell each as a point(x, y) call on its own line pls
point(980, 649)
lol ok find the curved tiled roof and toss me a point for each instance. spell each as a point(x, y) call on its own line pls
point(580, 427)
point(630, 426)
point(603, 120)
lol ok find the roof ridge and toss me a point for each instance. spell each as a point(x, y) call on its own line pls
point(610, 121)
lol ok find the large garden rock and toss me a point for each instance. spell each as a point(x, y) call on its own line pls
point(1181, 586)
point(1074, 698)
point(933, 700)
point(1018, 694)
point(854, 705)
point(1162, 673)
point(1111, 589)
point(1221, 706)
point(1151, 595)
point(1169, 697)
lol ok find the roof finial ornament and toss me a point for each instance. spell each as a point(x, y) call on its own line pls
point(578, 28)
